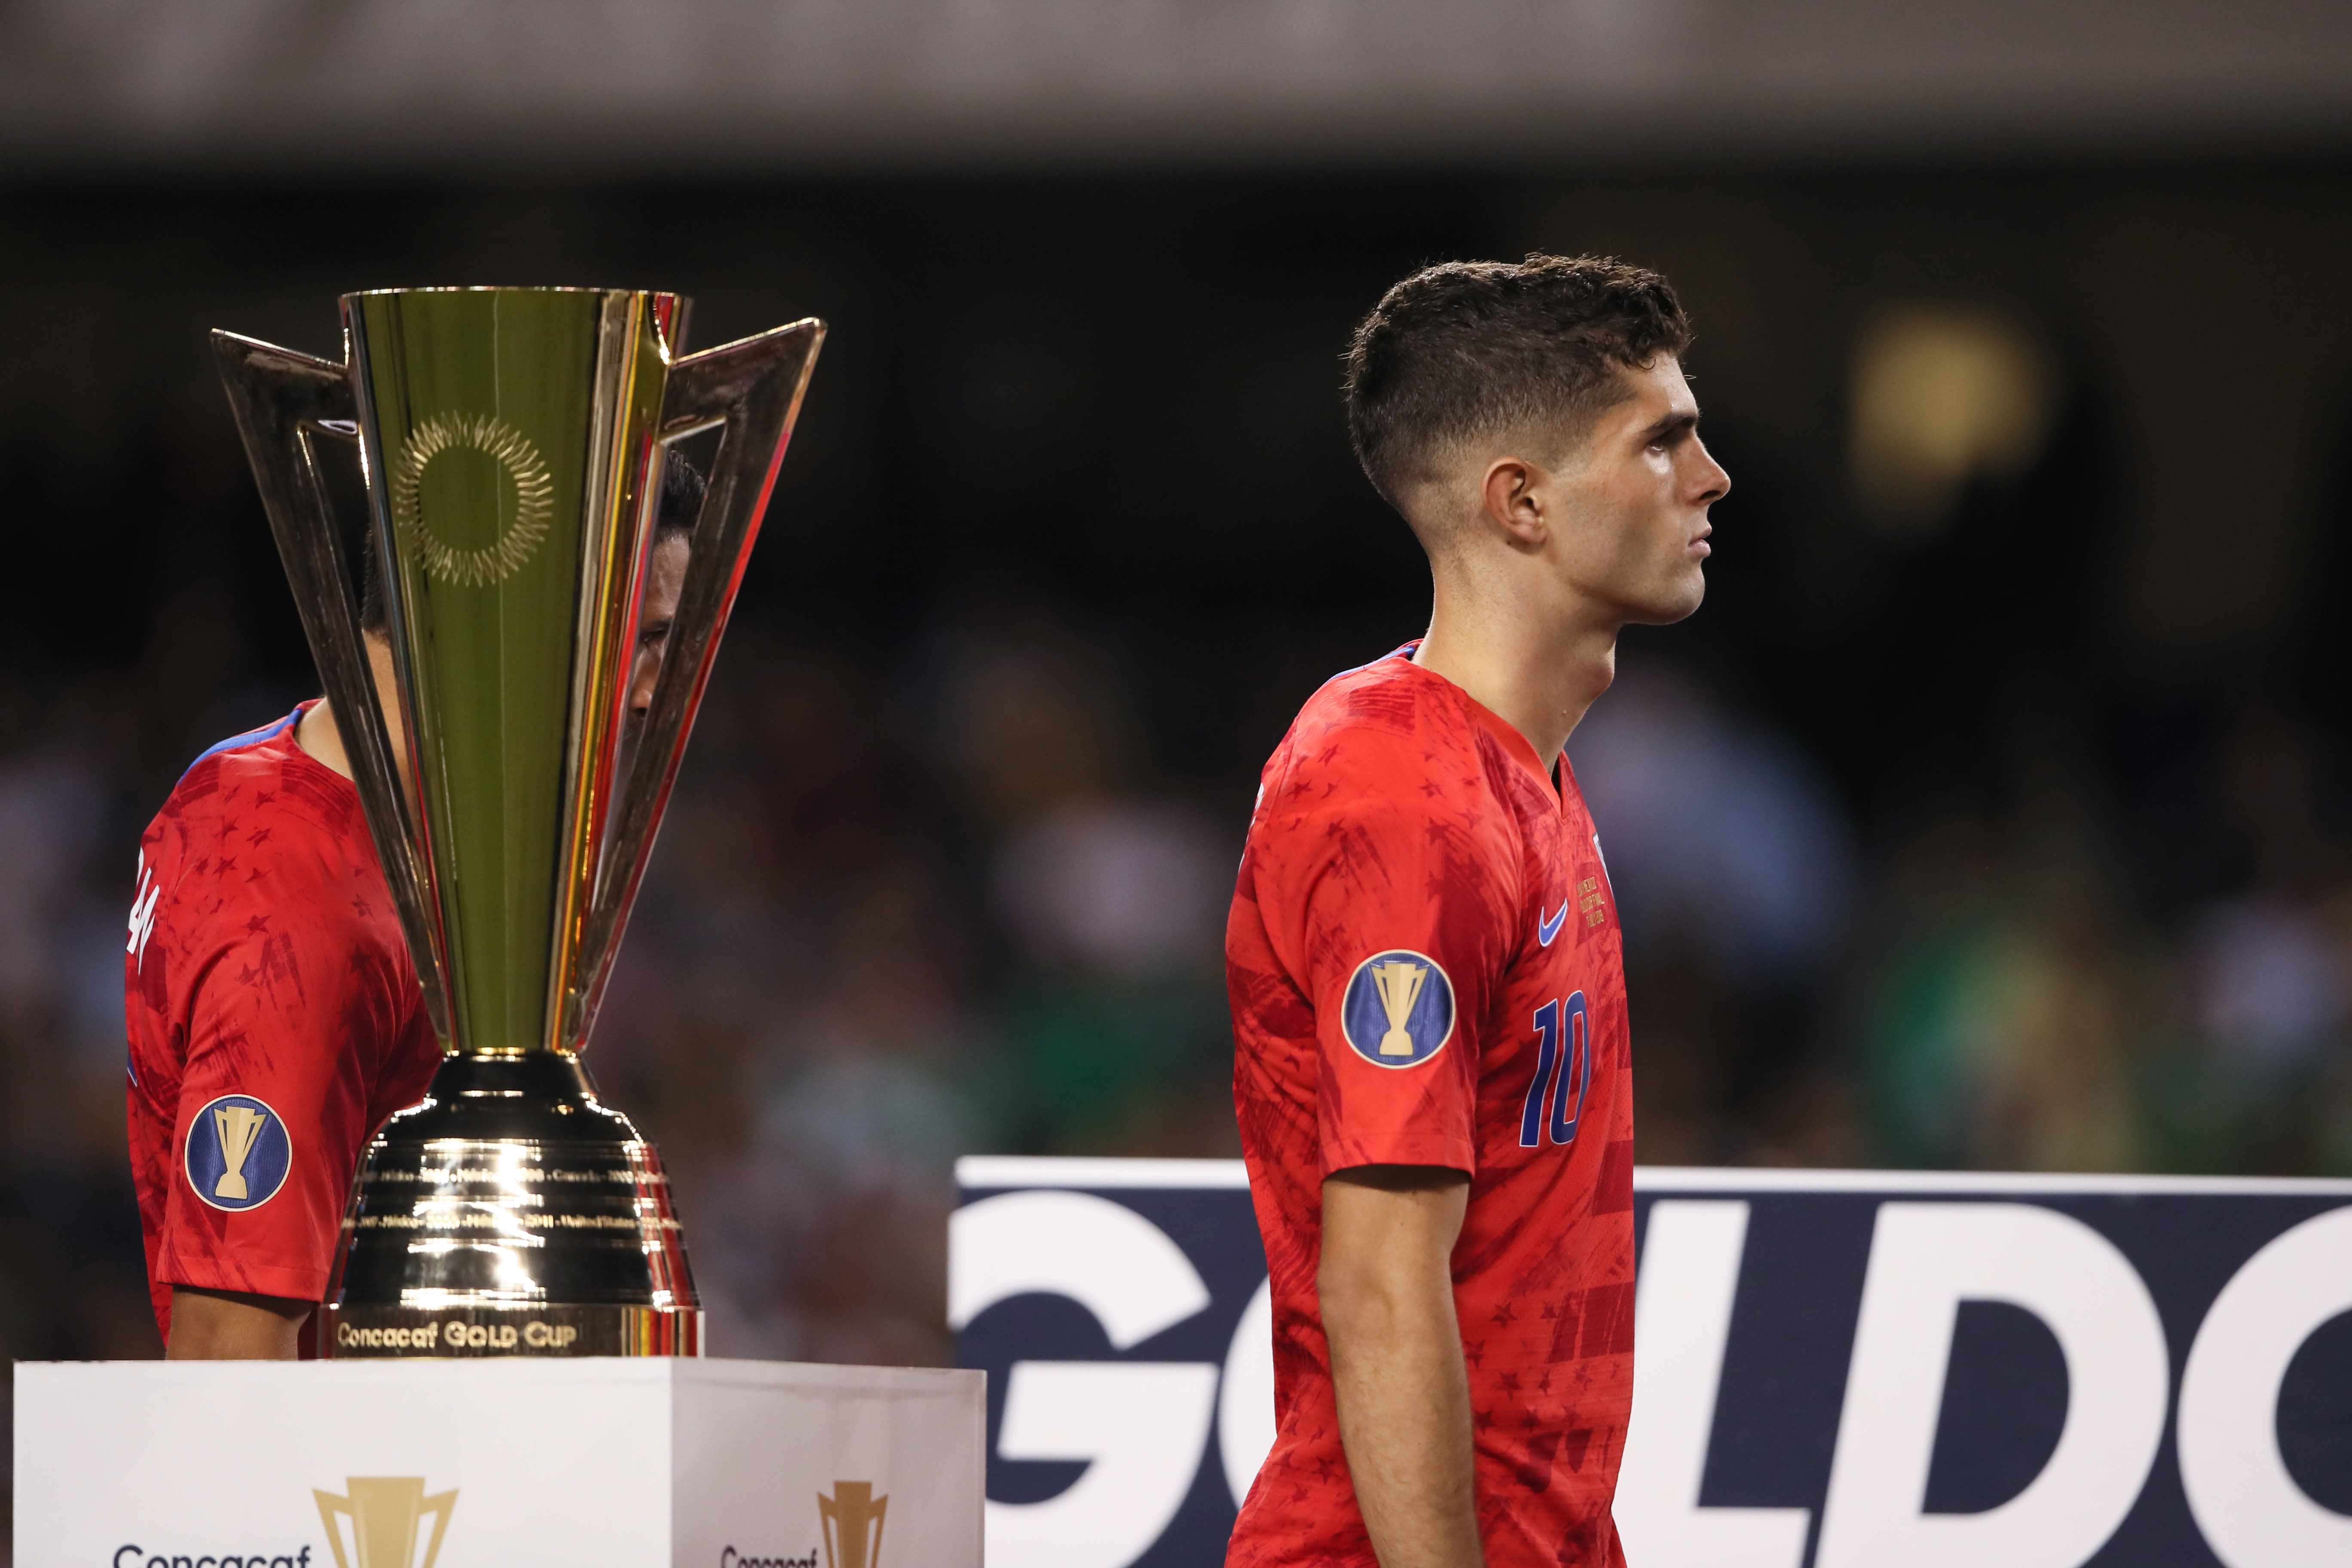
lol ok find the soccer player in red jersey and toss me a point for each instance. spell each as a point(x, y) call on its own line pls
point(1432, 1068)
point(274, 1017)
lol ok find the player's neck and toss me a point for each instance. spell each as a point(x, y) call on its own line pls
point(319, 735)
point(320, 741)
point(1533, 667)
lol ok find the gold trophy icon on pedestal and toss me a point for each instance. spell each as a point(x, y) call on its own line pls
point(513, 443)
point(844, 1517)
point(386, 1512)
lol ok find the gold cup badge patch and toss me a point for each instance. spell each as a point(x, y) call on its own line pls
point(386, 1513)
point(852, 1521)
point(237, 1152)
point(1398, 1011)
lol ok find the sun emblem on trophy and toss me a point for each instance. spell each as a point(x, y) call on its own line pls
point(534, 492)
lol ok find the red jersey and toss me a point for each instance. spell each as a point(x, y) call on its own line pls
point(275, 1019)
point(1426, 969)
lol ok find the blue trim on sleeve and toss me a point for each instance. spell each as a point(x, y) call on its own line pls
point(1406, 652)
point(269, 731)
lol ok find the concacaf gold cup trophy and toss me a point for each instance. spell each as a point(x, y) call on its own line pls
point(512, 442)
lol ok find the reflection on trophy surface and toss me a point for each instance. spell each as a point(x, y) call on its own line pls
point(551, 626)
point(673, 547)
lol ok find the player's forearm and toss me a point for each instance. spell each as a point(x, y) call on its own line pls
point(232, 1325)
point(1397, 1372)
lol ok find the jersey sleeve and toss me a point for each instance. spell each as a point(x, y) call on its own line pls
point(1398, 909)
point(273, 1101)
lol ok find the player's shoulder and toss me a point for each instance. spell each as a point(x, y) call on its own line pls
point(1388, 734)
point(256, 790)
point(1391, 696)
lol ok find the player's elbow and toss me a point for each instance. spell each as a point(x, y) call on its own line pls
point(1364, 1304)
point(234, 1325)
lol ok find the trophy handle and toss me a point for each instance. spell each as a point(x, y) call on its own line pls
point(282, 400)
point(751, 391)
point(440, 1505)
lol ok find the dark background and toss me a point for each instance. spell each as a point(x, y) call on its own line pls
point(1990, 814)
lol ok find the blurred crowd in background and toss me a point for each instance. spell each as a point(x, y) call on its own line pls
point(1939, 841)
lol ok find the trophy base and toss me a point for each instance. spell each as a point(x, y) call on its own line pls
point(510, 1213)
point(388, 1333)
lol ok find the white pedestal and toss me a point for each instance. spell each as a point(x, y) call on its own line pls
point(585, 1463)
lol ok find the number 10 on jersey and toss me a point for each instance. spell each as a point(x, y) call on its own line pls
point(1563, 1063)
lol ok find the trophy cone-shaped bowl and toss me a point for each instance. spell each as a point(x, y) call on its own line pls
point(512, 441)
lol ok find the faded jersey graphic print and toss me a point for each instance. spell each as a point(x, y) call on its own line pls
point(1425, 967)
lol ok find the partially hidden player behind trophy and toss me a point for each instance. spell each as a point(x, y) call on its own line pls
point(274, 1014)
point(1432, 1069)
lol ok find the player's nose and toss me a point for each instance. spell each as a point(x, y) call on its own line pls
point(1711, 483)
point(641, 682)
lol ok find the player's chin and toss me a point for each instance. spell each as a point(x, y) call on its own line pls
point(1673, 601)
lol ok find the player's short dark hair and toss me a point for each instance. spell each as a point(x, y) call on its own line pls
point(681, 499)
point(681, 504)
point(1473, 348)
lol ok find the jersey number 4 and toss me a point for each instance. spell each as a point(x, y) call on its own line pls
point(1564, 1062)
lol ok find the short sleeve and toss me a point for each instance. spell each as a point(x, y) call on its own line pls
point(281, 1012)
point(1401, 933)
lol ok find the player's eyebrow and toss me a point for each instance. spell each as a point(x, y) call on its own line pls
point(1675, 424)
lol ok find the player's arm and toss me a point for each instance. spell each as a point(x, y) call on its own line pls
point(1387, 1290)
point(233, 1325)
point(279, 1023)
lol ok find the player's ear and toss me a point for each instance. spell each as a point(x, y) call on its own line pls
point(1512, 500)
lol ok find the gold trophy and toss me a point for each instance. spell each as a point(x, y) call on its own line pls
point(512, 442)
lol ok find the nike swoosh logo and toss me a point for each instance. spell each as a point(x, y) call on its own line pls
point(1547, 929)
